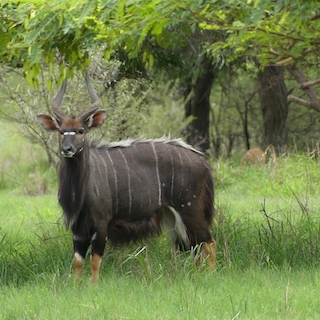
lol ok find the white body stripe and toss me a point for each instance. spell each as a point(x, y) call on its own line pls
point(115, 182)
point(190, 166)
point(129, 180)
point(172, 174)
point(94, 158)
point(157, 172)
point(182, 180)
point(105, 166)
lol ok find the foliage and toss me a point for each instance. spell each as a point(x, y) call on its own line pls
point(35, 31)
point(279, 32)
point(143, 37)
point(135, 109)
point(139, 108)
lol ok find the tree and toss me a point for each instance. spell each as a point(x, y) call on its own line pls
point(274, 105)
point(277, 34)
point(198, 105)
point(152, 35)
point(131, 33)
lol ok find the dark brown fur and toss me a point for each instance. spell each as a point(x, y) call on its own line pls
point(130, 190)
point(74, 174)
point(73, 177)
point(124, 231)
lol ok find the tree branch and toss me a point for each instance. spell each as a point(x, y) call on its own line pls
point(315, 17)
point(306, 87)
point(309, 84)
point(305, 103)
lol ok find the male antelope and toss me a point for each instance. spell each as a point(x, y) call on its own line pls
point(125, 191)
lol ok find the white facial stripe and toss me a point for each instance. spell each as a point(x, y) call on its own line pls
point(69, 133)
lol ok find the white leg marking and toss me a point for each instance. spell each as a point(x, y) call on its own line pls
point(76, 238)
point(94, 236)
point(78, 258)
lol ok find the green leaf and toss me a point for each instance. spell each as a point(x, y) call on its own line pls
point(158, 27)
point(151, 60)
point(49, 84)
point(238, 24)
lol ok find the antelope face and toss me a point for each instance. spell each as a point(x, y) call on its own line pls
point(73, 130)
point(72, 138)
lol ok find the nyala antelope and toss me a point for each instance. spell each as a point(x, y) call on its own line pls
point(128, 190)
point(253, 156)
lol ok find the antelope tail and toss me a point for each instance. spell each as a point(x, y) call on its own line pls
point(173, 226)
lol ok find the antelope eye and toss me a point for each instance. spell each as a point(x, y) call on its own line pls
point(81, 131)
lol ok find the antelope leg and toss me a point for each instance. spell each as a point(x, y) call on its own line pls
point(98, 245)
point(80, 248)
point(209, 252)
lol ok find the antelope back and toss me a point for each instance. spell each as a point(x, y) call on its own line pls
point(145, 175)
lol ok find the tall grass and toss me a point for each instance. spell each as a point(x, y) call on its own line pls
point(23, 166)
point(226, 294)
point(290, 238)
point(266, 227)
point(273, 231)
point(268, 214)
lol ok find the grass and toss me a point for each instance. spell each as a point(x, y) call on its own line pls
point(267, 229)
point(23, 166)
point(227, 294)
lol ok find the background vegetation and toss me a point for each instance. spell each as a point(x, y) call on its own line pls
point(202, 70)
point(191, 44)
point(267, 230)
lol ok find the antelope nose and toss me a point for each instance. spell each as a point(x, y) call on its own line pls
point(66, 149)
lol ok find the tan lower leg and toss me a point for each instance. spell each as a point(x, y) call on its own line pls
point(78, 264)
point(209, 253)
point(95, 262)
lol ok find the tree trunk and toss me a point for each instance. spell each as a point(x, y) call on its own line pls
point(274, 106)
point(197, 105)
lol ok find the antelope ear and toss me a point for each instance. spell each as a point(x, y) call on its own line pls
point(48, 122)
point(96, 119)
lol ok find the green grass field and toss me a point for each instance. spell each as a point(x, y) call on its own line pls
point(267, 230)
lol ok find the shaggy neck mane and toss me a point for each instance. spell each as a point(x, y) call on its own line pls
point(130, 142)
point(74, 173)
